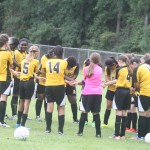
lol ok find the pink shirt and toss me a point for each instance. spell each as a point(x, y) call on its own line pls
point(93, 85)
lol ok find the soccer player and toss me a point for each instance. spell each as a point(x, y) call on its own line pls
point(19, 55)
point(91, 93)
point(132, 114)
point(141, 76)
point(6, 63)
point(122, 95)
point(41, 87)
point(29, 68)
point(55, 88)
point(72, 72)
point(110, 74)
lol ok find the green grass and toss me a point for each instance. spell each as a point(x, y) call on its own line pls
point(38, 140)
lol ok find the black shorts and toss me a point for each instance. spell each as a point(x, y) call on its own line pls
point(5, 87)
point(16, 86)
point(143, 103)
point(55, 94)
point(135, 100)
point(110, 95)
point(26, 89)
point(122, 98)
point(70, 90)
point(40, 89)
point(91, 103)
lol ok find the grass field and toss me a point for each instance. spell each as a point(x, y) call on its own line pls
point(38, 140)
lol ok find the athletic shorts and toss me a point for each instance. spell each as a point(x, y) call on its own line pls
point(110, 95)
point(135, 100)
point(55, 94)
point(16, 86)
point(122, 98)
point(143, 103)
point(26, 89)
point(91, 103)
point(70, 90)
point(5, 87)
point(40, 89)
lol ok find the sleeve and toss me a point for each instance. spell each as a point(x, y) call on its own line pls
point(10, 59)
point(76, 72)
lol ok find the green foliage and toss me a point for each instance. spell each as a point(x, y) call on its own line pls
point(120, 25)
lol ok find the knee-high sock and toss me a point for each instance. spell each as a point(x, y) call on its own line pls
point(83, 118)
point(14, 103)
point(129, 118)
point(38, 106)
point(134, 120)
point(24, 118)
point(106, 116)
point(123, 125)
point(61, 120)
point(48, 120)
point(2, 110)
point(74, 111)
point(117, 125)
point(97, 124)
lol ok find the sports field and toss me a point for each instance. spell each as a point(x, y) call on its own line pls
point(39, 140)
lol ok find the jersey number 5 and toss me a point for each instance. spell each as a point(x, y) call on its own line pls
point(55, 68)
point(25, 68)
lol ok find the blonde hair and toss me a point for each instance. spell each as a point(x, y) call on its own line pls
point(31, 54)
point(94, 59)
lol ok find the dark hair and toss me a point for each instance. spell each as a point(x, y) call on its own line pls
point(111, 61)
point(145, 57)
point(3, 39)
point(13, 40)
point(147, 61)
point(136, 60)
point(58, 51)
point(50, 53)
point(24, 39)
point(71, 61)
point(87, 62)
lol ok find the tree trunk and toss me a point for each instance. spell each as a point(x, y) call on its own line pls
point(146, 20)
point(118, 23)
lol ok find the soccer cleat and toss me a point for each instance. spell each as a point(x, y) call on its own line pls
point(115, 137)
point(93, 124)
point(5, 125)
point(28, 118)
point(60, 133)
point(133, 130)
point(80, 134)
point(6, 116)
point(38, 118)
point(17, 125)
point(122, 137)
point(136, 138)
point(76, 121)
point(128, 129)
point(98, 136)
point(47, 131)
point(14, 117)
point(104, 126)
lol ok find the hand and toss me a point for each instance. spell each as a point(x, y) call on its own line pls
point(42, 79)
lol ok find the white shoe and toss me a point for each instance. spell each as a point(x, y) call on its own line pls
point(38, 118)
point(14, 117)
point(4, 125)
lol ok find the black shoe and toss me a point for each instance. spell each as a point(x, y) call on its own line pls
point(80, 134)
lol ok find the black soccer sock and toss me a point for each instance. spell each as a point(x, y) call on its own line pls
point(97, 124)
point(106, 116)
point(2, 111)
point(83, 118)
point(24, 118)
point(142, 126)
point(129, 118)
point(74, 111)
point(19, 117)
point(117, 125)
point(48, 120)
point(123, 125)
point(148, 124)
point(134, 120)
point(38, 107)
point(14, 103)
point(61, 120)
point(45, 108)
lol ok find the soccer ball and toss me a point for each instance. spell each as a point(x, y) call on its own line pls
point(147, 138)
point(21, 133)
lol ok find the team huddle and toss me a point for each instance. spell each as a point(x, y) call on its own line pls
point(127, 80)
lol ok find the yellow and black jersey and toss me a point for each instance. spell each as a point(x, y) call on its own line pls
point(124, 80)
point(13, 54)
point(70, 72)
point(55, 71)
point(28, 69)
point(18, 57)
point(44, 59)
point(5, 61)
point(142, 76)
point(111, 77)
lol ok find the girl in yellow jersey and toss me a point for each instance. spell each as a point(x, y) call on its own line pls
point(122, 95)
point(29, 66)
point(40, 93)
point(110, 74)
point(72, 72)
point(55, 88)
point(6, 63)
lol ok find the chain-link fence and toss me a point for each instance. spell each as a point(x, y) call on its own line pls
point(80, 54)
